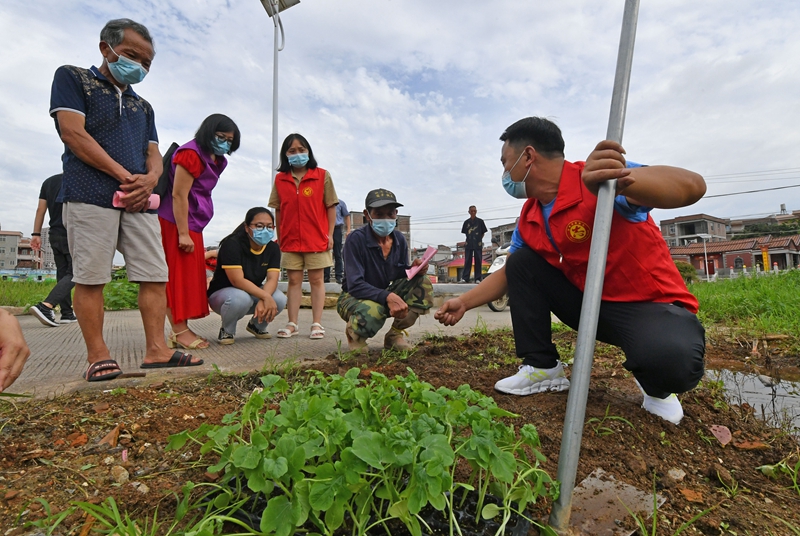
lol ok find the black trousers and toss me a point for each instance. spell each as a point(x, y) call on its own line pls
point(61, 293)
point(338, 264)
point(664, 344)
point(469, 254)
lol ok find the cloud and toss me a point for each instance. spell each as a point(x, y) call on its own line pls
point(412, 95)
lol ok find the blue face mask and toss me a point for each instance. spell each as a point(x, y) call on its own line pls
point(383, 227)
point(515, 189)
point(125, 70)
point(298, 160)
point(220, 147)
point(264, 236)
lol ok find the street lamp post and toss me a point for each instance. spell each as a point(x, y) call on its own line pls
point(705, 238)
point(274, 8)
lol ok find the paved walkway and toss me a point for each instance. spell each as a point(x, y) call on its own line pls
point(58, 355)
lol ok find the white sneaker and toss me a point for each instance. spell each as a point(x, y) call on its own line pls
point(531, 380)
point(669, 408)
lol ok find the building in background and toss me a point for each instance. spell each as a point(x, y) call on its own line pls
point(9, 245)
point(46, 259)
point(685, 230)
point(27, 258)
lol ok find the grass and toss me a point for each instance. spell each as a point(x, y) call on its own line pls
point(118, 294)
point(759, 305)
point(24, 293)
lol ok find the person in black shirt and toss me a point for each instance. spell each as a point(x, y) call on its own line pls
point(61, 293)
point(474, 228)
point(246, 279)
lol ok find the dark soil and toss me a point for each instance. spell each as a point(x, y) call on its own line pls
point(50, 450)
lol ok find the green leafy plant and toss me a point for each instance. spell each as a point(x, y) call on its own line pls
point(337, 451)
point(599, 427)
point(784, 467)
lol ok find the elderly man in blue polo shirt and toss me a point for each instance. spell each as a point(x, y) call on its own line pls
point(375, 285)
point(111, 151)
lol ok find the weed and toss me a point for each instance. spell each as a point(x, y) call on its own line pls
point(559, 327)
point(494, 365)
point(392, 355)
point(481, 327)
point(730, 489)
point(118, 391)
point(784, 467)
point(663, 439)
point(602, 430)
point(795, 530)
point(707, 439)
point(652, 531)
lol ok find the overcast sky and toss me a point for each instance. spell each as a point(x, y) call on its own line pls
point(412, 95)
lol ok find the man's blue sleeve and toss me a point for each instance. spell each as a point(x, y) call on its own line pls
point(516, 241)
point(153, 135)
point(345, 212)
point(634, 214)
point(66, 94)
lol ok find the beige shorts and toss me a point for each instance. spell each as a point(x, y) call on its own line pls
point(95, 233)
point(306, 261)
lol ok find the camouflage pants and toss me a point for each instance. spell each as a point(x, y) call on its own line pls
point(366, 317)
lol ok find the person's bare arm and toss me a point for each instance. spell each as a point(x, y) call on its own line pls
point(266, 308)
point(651, 186)
point(331, 225)
point(139, 187)
point(180, 207)
point(347, 225)
point(13, 350)
point(38, 221)
point(73, 133)
point(492, 288)
point(237, 279)
point(277, 228)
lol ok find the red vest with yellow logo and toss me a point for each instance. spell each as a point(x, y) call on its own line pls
point(303, 224)
point(639, 267)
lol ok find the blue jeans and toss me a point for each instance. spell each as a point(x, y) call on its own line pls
point(232, 304)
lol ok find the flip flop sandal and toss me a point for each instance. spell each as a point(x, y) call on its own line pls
point(317, 331)
point(106, 364)
point(178, 359)
point(198, 344)
point(285, 333)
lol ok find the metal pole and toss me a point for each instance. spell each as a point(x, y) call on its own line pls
point(595, 273)
point(276, 49)
point(705, 259)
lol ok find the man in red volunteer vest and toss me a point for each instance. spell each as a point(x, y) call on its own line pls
point(646, 309)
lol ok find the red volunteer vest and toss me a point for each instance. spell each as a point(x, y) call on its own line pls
point(303, 224)
point(639, 267)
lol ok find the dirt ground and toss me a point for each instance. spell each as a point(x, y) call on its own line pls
point(51, 449)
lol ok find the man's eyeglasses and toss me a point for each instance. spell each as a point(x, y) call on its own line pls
point(261, 227)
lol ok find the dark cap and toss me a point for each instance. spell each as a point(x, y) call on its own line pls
point(380, 198)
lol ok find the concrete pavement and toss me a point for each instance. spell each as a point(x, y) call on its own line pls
point(58, 355)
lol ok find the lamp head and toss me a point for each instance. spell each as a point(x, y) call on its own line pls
point(283, 5)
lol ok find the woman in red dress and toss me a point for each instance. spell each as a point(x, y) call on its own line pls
point(184, 212)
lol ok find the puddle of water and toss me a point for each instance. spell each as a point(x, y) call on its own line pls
point(775, 401)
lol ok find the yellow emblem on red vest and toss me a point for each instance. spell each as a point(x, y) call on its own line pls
point(578, 231)
point(308, 191)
